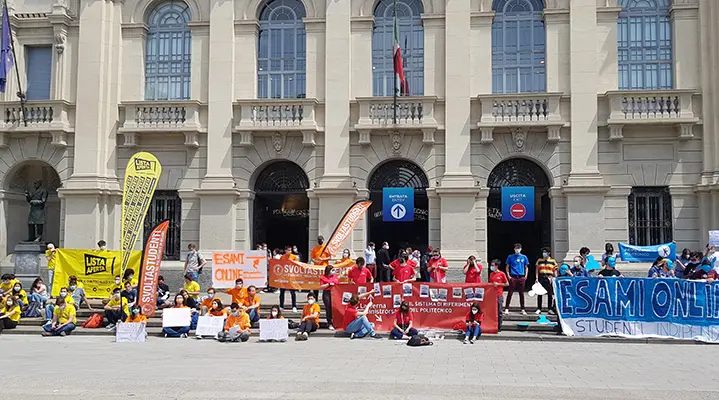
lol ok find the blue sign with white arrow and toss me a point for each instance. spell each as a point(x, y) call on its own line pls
point(398, 204)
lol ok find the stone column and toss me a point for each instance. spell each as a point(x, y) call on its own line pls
point(218, 195)
point(199, 64)
point(434, 55)
point(60, 21)
point(362, 56)
point(134, 38)
point(481, 52)
point(246, 39)
point(557, 51)
point(608, 59)
point(315, 64)
point(685, 49)
point(93, 191)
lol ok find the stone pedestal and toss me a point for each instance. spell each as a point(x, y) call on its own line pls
point(28, 257)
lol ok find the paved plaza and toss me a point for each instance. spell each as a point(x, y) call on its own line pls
point(323, 368)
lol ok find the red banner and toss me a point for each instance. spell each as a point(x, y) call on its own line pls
point(151, 261)
point(287, 274)
point(433, 305)
point(344, 228)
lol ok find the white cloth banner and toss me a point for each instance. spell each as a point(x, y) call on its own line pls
point(209, 326)
point(273, 329)
point(638, 329)
point(130, 332)
point(176, 317)
point(229, 265)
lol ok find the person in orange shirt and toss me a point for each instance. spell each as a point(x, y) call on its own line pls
point(237, 326)
point(288, 256)
point(136, 315)
point(346, 261)
point(216, 309)
point(207, 301)
point(310, 318)
point(318, 256)
point(251, 304)
point(238, 293)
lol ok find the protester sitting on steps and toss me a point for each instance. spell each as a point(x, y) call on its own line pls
point(609, 270)
point(63, 319)
point(474, 319)
point(136, 315)
point(251, 304)
point(216, 309)
point(327, 281)
point(129, 293)
point(189, 300)
point(356, 322)
point(180, 331)
point(72, 297)
point(192, 287)
point(9, 314)
point(77, 292)
point(403, 329)
point(128, 276)
point(207, 301)
point(7, 282)
point(37, 298)
point(163, 293)
point(116, 309)
point(310, 318)
point(275, 313)
point(19, 294)
point(237, 326)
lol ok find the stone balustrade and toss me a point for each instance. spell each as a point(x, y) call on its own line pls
point(187, 117)
point(56, 117)
point(277, 115)
point(521, 110)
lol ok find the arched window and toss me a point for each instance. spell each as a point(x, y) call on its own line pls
point(644, 45)
point(518, 47)
point(282, 52)
point(411, 41)
point(167, 59)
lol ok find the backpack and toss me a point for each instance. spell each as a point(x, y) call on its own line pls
point(94, 322)
point(292, 324)
point(419, 340)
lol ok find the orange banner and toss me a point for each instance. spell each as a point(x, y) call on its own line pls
point(151, 261)
point(287, 274)
point(344, 228)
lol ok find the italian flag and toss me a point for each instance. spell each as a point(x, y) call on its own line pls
point(397, 54)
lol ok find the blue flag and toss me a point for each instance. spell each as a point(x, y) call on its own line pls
point(632, 253)
point(6, 56)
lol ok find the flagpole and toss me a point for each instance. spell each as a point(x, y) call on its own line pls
point(20, 93)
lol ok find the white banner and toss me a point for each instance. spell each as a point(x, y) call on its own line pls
point(273, 329)
point(638, 329)
point(176, 317)
point(209, 325)
point(229, 265)
point(130, 332)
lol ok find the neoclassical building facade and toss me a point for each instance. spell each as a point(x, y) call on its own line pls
point(271, 117)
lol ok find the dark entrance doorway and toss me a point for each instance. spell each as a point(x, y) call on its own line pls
point(392, 174)
point(501, 236)
point(281, 207)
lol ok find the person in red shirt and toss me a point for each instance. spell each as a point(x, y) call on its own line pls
point(403, 254)
point(472, 270)
point(359, 274)
point(474, 320)
point(356, 322)
point(500, 281)
point(327, 281)
point(437, 267)
point(404, 272)
point(403, 329)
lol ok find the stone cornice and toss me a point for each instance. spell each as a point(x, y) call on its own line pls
point(684, 11)
point(199, 27)
point(480, 19)
point(134, 30)
point(556, 16)
point(362, 24)
point(314, 25)
point(243, 27)
point(608, 14)
point(433, 21)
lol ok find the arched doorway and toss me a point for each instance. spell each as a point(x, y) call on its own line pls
point(281, 207)
point(19, 179)
point(501, 236)
point(399, 174)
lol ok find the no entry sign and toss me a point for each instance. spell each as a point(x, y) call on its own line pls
point(518, 203)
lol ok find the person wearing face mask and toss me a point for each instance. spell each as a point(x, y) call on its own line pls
point(37, 298)
point(192, 287)
point(310, 318)
point(474, 319)
point(545, 271)
point(705, 271)
point(288, 256)
point(403, 329)
point(437, 268)
point(360, 275)
point(63, 319)
point(577, 268)
point(9, 314)
point(116, 309)
point(319, 254)
point(609, 270)
point(217, 309)
point(136, 315)
point(8, 281)
point(472, 270)
point(207, 301)
point(371, 258)
point(383, 261)
point(129, 293)
point(163, 293)
point(275, 313)
point(177, 331)
point(499, 280)
point(346, 261)
point(20, 295)
point(251, 304)
point(327, 281)
point(517, 264)
point(237, 326)
point(194, 262)
point(681, 262)
point(51, 264)
point(50, 308)
point(404, 272)
point(356, 322)
point(78, 293)
point(128, 277)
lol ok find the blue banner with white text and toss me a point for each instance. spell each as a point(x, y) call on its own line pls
point(638, 307)
point(631, 253)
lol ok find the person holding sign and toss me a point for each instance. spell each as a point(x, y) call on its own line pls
point(116, 309)
point(310, 318)
point(238, 293)
point(207, 301)
point(403, 323)
point(251, 304)
point(319, 254)
point(237, 326)
point(136, 315)
point(180, 331)
point(356, 322)
point(63, 319)
point(474, 319)
point(328, 280)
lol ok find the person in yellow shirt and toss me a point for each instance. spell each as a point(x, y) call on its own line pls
point(51, 264)
point(192, 287)
point(238, 293)
point(19, 294)
point(63, 319)
point(9, 314)
point(116, 309)
point(251, 305)
point(7, 282)
point(67, 296)
point(237, 326)
point(310, 318)
point(288, 256)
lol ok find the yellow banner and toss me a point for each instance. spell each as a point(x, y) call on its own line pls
point(95, 269)
point(141, 176)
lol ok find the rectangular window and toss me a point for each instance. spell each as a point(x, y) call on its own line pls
point(650, 216)
point(166, 205)
point(39, 72)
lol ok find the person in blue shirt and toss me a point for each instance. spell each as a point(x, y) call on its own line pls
point(517, 268)
point(655, 268)
point(564, 270)
point(578, 270)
